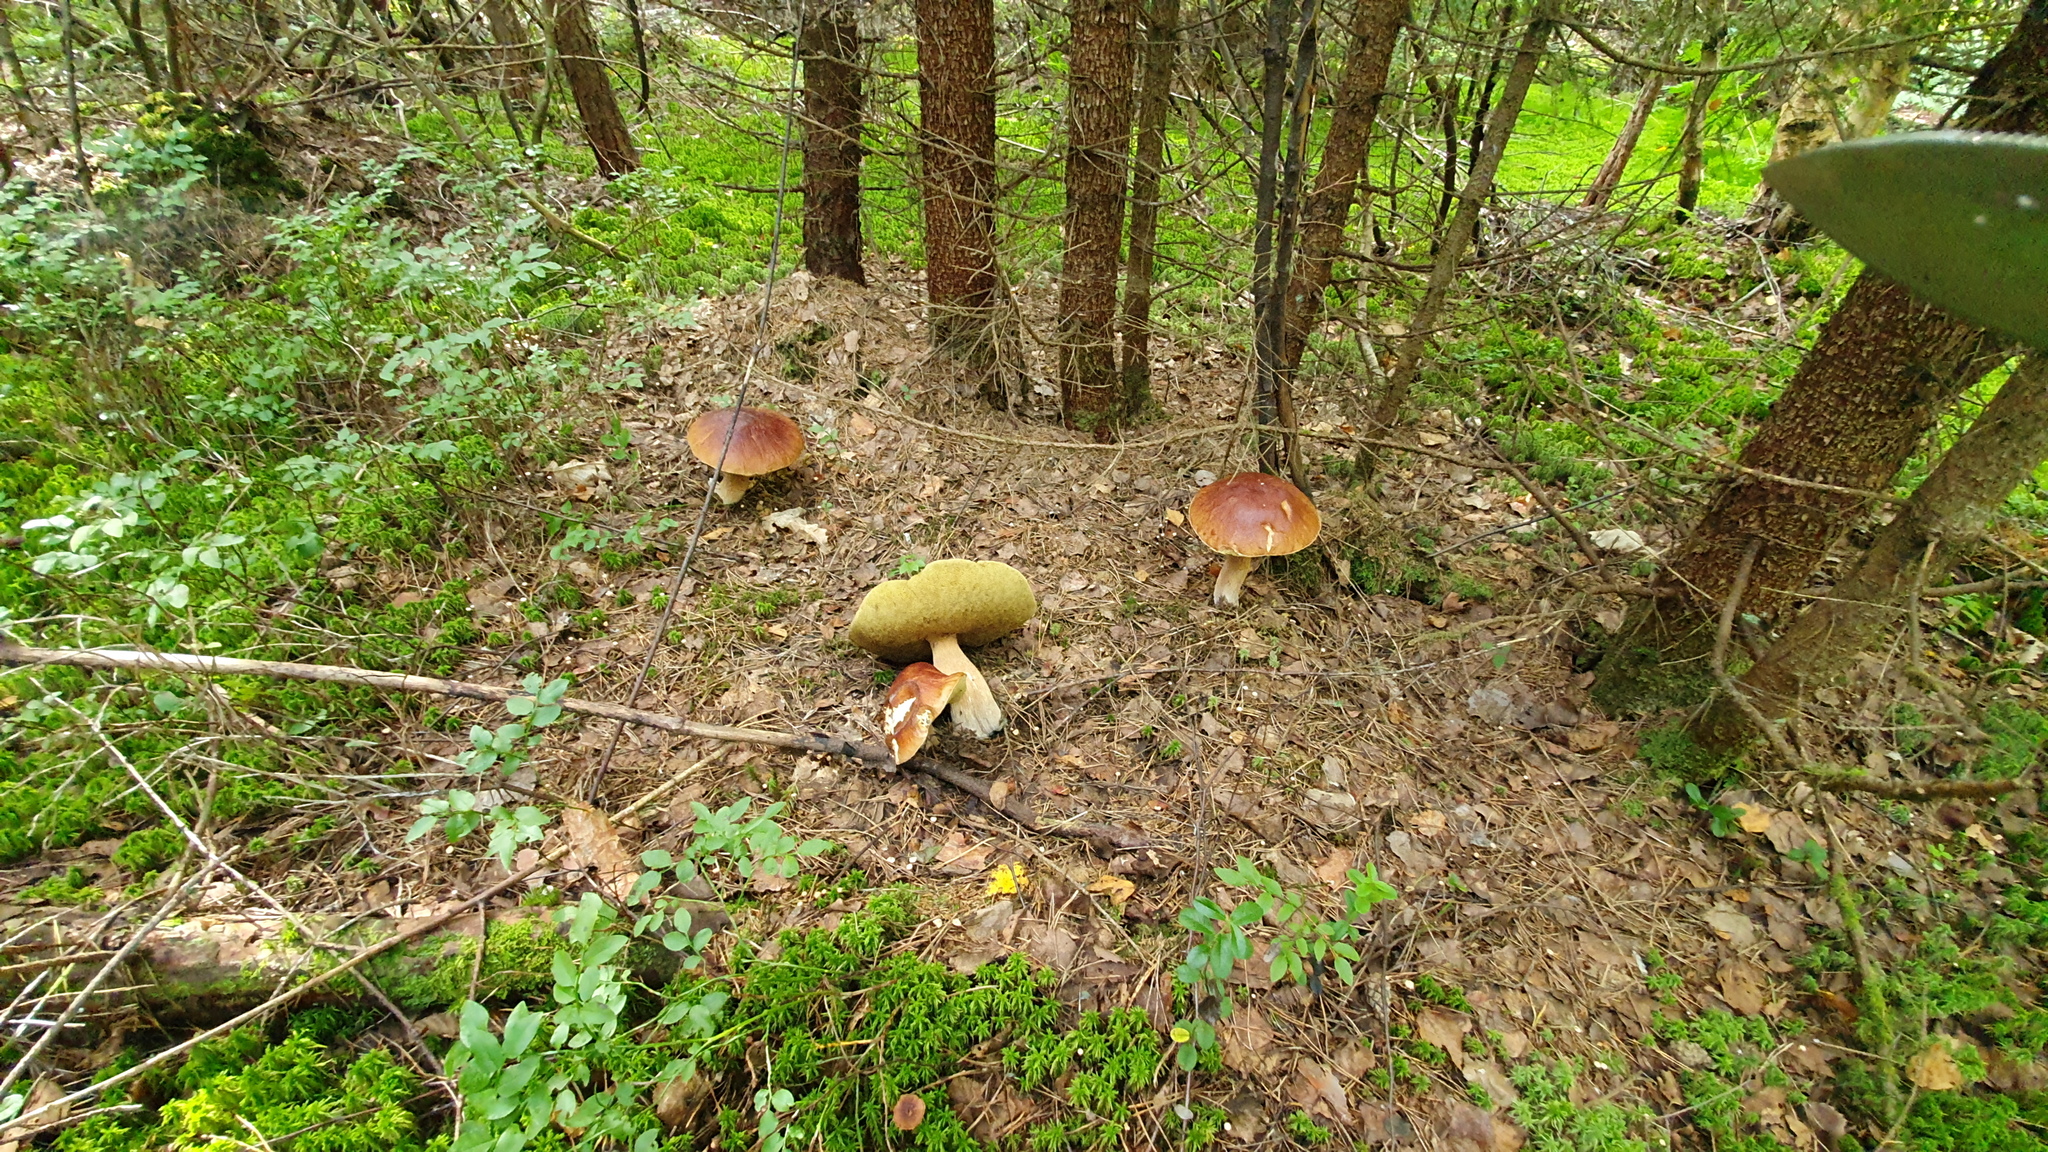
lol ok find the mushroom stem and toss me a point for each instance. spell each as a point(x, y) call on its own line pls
point(1230, 581)
point(974, 709)
point(731, 487)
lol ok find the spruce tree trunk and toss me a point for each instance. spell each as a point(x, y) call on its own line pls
point(956, 60)
point(1347, 144)
point(1608, 178)
point(1098, 142)
point(25, 110)
point(834, 104)
point(508, 30)
point(1882, 369)
point(1155, 92)
point(1931, 534)
point(175, 46)
point(604, 126)
point(1388, 405)
point(1692, 137)
point(130, 12)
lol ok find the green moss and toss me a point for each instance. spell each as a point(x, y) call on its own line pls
point(1554, 1122)
point(1672, 751)
point(517, 964)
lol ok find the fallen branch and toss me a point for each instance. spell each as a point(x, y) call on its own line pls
point(1102, 837)
point(816, 743)
point(1910, 790)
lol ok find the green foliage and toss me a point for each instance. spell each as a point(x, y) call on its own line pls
point(1673, 752)
point(1555, 1124)
point(306, 1085)
point(1304, 1130)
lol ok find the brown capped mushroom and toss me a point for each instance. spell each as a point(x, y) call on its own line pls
point(917, 697)
point(1247, 518)
point(949, 605)
point(761, 442)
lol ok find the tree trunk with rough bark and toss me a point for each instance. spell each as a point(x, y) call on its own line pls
point(834, 104)
point(175, 46)
point(1098, 143)
point(509, 32)
point(1608, 178)
point(1931, 534)
point(1347, 143)
point(1692, 150)
point(956, 61)
point(25, 110)
point(1388, 405)
point(590, 83)
point(1155, 92)
point(1883, 367)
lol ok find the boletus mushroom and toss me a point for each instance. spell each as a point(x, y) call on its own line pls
point(1247, 518)
point(917, 697)
point(950, 605)
point(761, 442)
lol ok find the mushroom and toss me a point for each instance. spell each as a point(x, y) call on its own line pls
point(949, 605)
point(917, 697)
point(1247, 518)
point(761, 442)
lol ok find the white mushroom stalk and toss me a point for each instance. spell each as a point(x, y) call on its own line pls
point(1230, 581)
point(975, 709)
point(731, 488)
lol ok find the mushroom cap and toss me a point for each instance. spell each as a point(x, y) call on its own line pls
point(917, 697)
point(764, 442)
point(977, 601)
point(1253, 514)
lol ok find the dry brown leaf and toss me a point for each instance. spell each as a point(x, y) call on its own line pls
point(1446, 1030)
point(1428, 822)
point(908, 1113)
point(1118, 889)
point(594, 847)
point(1934, 1069)
point(1318, 1090)
point(1594, 736)
point(1249, 1042)
point(959, 858)
point(676, 1101)
point(1742, 986)
point(1335, 867)
point(1753, 817)
point(998, 793)
point(1733, 926)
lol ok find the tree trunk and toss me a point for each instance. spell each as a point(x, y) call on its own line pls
point(1930, 535)
point(1884, 77)
point(1608, 178)
point(604, 126)
point(130, 12)
point(1883, 367)
point(1155, 92)
point(834, 104)
point(174, 46)
point(1832, 99)
point(639, 29)
point(25, 110)
point(1347, 143)
point(1387, 408)
point(1691, 143)
point(508, 30)
point(1098, 141)
point(956, 63)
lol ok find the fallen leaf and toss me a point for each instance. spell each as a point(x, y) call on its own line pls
point(1594, 736)
point(1118, 889)
point(1318, 1090)
point(1249, 1043)
point(594, 848)
point(677, 1101)
point(1428, 822)
point(1446, 1030)
point(581, 479)
point(1470, 1130)
point(1335, 868)
point(1826, 1119)
point(1733, 926)
point(1053, 947)
point(958, 857)
point(1934, 1069)
point(908, 1113)
point(860, 425)
point(1788, 833)
point(998, 793)
point(792, 520)
point(1753, 817)
point(1742, 986)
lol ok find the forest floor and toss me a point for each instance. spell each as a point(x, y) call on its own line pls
point(1583, 951)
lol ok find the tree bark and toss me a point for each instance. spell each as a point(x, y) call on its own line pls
point(956, 60)
point(1347, 145)
point(604, 126)
point(1155, 92)
point(834, 104)
point(1098, 141)
point(130, 12)
point(25, 110)
point(1930, 535)
point(174, 46)
point(1387, 408)
point(509, 32)
point(1608, 178)
point(1692, 150)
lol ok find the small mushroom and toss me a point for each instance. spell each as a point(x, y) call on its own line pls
point(762, 442)
point(917, 697)
point(1247, 518)
point(949, 605)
